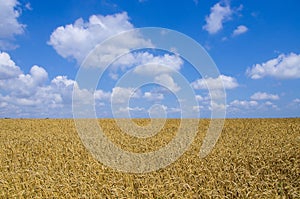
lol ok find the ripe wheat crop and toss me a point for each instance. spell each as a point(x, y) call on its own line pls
point(253, 158)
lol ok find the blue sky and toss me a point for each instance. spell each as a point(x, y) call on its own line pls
point(254, 44)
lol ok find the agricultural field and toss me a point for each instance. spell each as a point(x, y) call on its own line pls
point(253, 158)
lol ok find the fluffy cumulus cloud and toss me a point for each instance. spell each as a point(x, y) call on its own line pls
point(30, 90)
point(222, 81)
point(215, 98)
point(264, 96)
point(155, 65)
point(22, 89)
point(160, 68)
point(244, 103)
point(294, 105)
point(168, 82)
point(216, 106)
point(282, 67)
point(78, 39)
point(146, 63)
point(130, 109)
point(9, 24)
point(144, 103)
point(121, 95)
point(219, 13)
point(25, 84)
point(101, 95)
point(297, 100)
point(259, 104)
point(49, 100)
point(8, 68)
point(158, 111)
point(153, 96)
point(271, 105)
point(121, 102)
point(32, 95)
point(199, 98)
point(240, 30)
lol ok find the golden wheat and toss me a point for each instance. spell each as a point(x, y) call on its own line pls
point(254, 158)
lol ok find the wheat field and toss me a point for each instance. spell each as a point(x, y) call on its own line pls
point(253, 158)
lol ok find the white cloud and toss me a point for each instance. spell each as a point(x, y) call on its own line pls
point(147, 63)
point(219, 14)
point(199, 98)
point(8, 68)
point(240, 30)
point(122, 95)
point(3, 104)
point(243, 103)
point(222, 81)
point(167, 81)
point(62, 89)
point(154, 65)
point(198, 108)
point(268, 103)
point(297, 100)
point(113, 76)
point(19, 101)
point(28, 6)
point(224, 39)
point(294, 105)
point(127, 109)
point(155, 111)
point(78, 39)
point(211, 100)
point(216, 94)
point(158, 110)
point(217, 106)
point(38, 74)
point(62, 81)
point(282, 67)
point(32, 95)
point(245, 107)
point(174, 110)
point(153, 96)
point(51, 100)
point(271, 104)
point(9, 25)
point(30, 90)
point(264, 96)
point(101, 95)
point(25, 85)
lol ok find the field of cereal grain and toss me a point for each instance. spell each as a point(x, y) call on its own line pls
point(253, 158)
